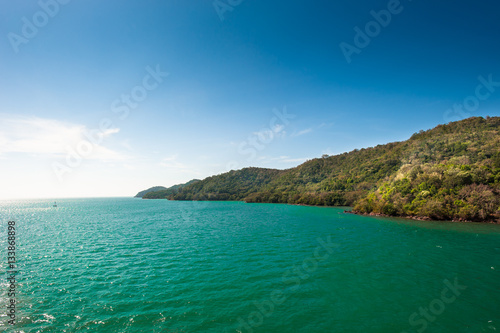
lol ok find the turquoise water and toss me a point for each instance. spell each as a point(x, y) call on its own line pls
point(132, 265)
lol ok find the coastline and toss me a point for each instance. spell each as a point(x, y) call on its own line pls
point(354, 212)
point(421, 218)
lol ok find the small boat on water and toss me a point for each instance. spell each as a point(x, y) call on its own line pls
point(55, 204)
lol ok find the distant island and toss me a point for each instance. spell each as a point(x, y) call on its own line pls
point(451, 172)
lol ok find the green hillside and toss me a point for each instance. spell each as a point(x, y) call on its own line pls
point(151, 189)
point(449, 172)
point(453, 173)
point(163, 192)
point(232, 185)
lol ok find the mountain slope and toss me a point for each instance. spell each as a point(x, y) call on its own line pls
point(438, 173)
point(232, 185)
point(161, 190)
point(454, 173)
point(345, 178)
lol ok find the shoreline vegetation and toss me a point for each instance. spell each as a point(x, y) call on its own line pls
point(420, 218)
point(451, 172)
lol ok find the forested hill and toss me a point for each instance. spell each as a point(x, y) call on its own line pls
point(449, 172)
point(160, 191)
point(232, 185)
point(151, 189)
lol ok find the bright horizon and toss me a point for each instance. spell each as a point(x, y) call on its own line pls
point(161, 94)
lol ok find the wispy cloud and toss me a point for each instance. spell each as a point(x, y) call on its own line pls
point(296, 160)
point(330, 152)
point(172, 163)
point(326, 125)
point(305, 131)
point(34, 135)
point(282, 159)
point(277, 131)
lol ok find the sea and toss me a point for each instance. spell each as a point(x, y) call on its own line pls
point(133, 265)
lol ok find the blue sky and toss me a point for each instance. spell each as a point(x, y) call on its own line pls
point(67, 66)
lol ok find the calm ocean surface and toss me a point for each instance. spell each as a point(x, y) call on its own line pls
point(132, 265)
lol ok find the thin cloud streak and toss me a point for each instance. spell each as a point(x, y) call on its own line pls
point(305, 131)
point(42, 136)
